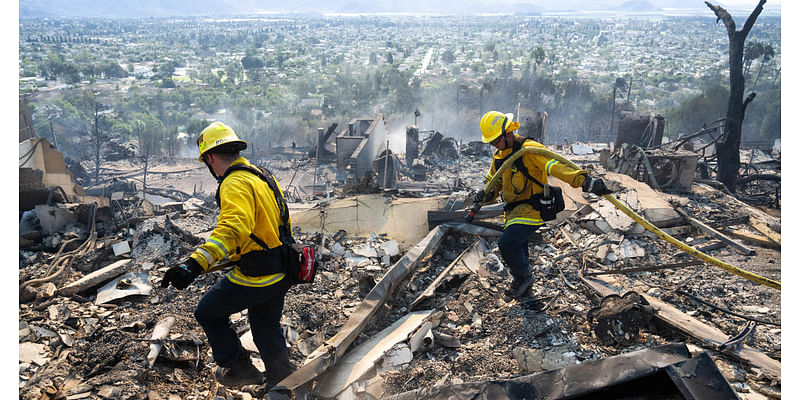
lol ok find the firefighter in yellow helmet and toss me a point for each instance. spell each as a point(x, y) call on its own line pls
point(519, 184)
point(249, 224)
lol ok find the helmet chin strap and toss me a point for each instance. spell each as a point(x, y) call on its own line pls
point(214, 174)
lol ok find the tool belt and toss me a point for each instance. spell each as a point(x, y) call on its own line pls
point(264, 262)
point(548, 206)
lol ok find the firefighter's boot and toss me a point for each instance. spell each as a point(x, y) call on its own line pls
point(243, 372)
point(520, 286)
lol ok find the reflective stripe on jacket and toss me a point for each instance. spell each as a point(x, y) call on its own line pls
point(515, 186)
point(246, 205)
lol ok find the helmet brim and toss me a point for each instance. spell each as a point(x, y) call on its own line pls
point(236, 144)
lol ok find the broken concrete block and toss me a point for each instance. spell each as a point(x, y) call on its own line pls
point(33, 353)
point(58, 312)
point(595, 224)
point(629, 249)
point(40, 332)
point(536, 360)
point(352, 262)
point(397, 357)
point(365, 250)
point(46, 291)
point(529, 360)
point(654, 205)
point(615, 218)
point(53, 219)
point(247, 341)
point(29, 222)
point(391, 248)
point(121, 248)
point(581, 149)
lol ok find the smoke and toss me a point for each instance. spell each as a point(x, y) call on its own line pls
point(186, 147)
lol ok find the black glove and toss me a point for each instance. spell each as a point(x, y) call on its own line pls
point(596, 186)
point(181, 276)
point(479, 197)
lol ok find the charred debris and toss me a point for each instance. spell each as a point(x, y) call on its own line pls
point(409, 302)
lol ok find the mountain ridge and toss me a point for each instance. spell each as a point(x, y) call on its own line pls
point(173, 8)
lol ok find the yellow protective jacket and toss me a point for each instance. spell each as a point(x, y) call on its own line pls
point(516, 187)
point(246, 205)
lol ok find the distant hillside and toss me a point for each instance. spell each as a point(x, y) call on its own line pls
point(637, 5)
point(163, 8)
point(141, 8)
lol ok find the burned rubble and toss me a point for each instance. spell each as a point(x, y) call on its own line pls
point(409, 303)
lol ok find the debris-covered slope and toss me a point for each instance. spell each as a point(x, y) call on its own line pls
point(72, 348)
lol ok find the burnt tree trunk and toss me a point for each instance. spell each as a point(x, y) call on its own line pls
point(728, 147)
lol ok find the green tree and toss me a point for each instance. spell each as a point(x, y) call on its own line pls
point(766, 54)
point(447, 57)
point(691, 115)
point(250, 62)
point(770, 128)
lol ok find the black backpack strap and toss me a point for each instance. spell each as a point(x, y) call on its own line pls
point(285, 229)
point(517, 163)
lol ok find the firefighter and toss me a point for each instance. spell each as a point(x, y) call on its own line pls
point(248, 209)
point(518, 185)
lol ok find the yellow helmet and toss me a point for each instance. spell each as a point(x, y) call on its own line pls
point(494, 124)
point(216, 135)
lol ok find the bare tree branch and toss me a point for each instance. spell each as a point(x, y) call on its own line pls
point(752, 18)
point(747, 101)
point(722, 14)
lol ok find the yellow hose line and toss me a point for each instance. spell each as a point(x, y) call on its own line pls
point(636, 217)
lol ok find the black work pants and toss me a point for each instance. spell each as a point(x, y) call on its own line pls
point(513, 245)
point(264, 308)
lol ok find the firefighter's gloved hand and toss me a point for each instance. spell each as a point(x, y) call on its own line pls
point(182, 275)
point(596, 186)
point(480, 196)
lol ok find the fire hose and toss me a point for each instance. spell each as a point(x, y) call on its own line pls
point(636, 217)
